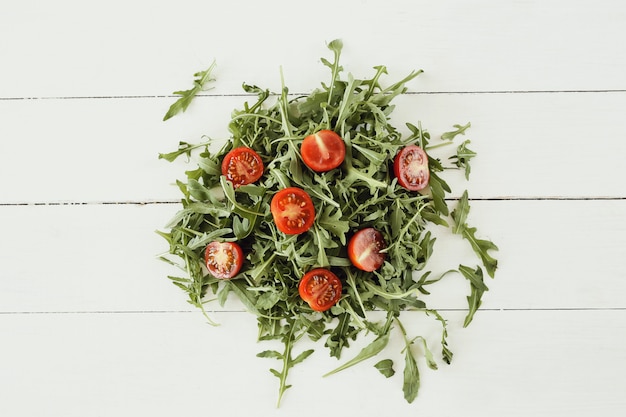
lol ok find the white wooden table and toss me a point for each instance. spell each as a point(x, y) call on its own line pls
point(89, 323)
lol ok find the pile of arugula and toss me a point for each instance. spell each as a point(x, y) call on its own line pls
point(361, 193)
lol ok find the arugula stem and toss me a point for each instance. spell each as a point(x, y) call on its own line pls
point(353, 172)
point(196, 295)
point(336, 48)
point(440, 145)
point(352, 284)
point(374, 82)
point(285, 371)
point(402, 330)
point(416, 216)
point(391, 296)
point(257, 116)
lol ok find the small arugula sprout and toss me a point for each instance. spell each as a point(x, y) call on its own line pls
point(186, 96)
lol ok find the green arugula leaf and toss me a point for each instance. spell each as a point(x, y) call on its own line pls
point(199, 85)
point(446, 353)
point(293, 334)
point(184, 148)
point(371, 350)
point(463, 157)
point(460, 130)
point(411, 376)
point(411, 384)
point(477, 286)
point(385, 367)
point(331, 220)
point(480, 246)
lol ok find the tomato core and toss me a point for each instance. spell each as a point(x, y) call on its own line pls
point(242, 166)
point(223, 259)
point(320, 288)
point(411, 168)
point(292, 210)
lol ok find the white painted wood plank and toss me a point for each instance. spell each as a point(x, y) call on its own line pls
point(553, 254)
point(528, 145)
point(92, 326)
point(85, 258)
point(514, 363)
point(70, 48)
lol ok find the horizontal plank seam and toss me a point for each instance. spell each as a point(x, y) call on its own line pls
point(169, 96)
point(165, 202)
point(80, 312)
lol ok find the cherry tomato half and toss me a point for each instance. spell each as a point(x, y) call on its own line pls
point(223, 259)
point(320, 288)
point(293, 210)
point(411, 168)
point(323, 151)
point(242, 166)
point(364, 249)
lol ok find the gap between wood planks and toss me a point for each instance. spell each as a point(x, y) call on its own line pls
point(146, 96)
point(157, 202)
point(79, 312)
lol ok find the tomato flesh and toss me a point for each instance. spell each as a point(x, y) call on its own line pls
point(365, 249)
point(242, 166)
point(320, 288)
point(292, 210)
point(223, 259)
point(411, 168)
point(323, 151)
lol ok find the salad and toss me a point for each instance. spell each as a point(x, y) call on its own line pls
point(316, 212)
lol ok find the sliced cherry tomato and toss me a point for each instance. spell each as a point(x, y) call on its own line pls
point(320, 288)
point(293, 210)
point(323, 151)
point(223, 259)
point(242, 166)
point(411, 168)
point(364, 249)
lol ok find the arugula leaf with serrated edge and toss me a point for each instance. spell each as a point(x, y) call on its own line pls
point(477, 287)
point(184, 148)
point(480, 246)
point(294, 333)
point(462, 158)
point(460, 130)
point(369, 351)
point(199, 85)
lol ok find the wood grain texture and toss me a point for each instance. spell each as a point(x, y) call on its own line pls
point(548, 363)
point(90, 324)
point(116, 48)
point(543, 145)
point(95, 257)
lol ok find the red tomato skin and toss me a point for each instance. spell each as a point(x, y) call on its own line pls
point(242, 166)
point(231, 250)
point(411, 168)
point(323, 151)
point(320, 288)
point(364, 249)
point(293, 210)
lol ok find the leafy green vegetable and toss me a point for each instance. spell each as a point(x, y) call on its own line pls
point(385, 367)
point(362, 192)
point(199, 85)
point(292, 332)
point(462, 158)
point(480, 246)
point(477, 286)
point(460, 130)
